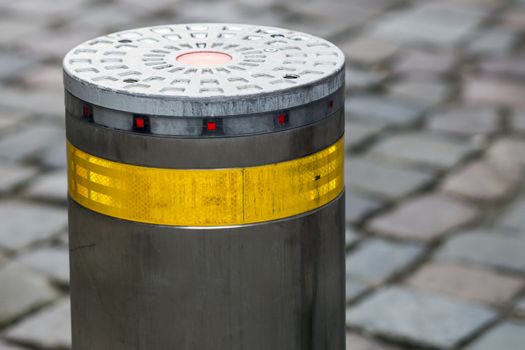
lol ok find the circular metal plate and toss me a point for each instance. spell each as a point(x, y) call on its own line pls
point(145, 70)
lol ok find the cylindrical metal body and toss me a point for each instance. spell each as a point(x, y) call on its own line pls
point(206, 189)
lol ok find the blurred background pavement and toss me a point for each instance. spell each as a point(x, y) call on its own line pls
point(435, 158)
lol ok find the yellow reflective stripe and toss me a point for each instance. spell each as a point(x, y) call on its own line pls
point(206, 197)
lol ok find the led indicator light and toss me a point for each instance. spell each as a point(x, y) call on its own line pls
point(141, 123)
point(87, 111)
point(282, 119)
point(330, 103)
point(211, 126)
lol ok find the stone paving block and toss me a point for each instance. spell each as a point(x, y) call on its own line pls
point(515, 217)
point(358, 206)
point(493, 248)
point(12, 65)
point(357, 132)
point(351, 236)
point(506, 336)
point(13, 175)
point(421, 318)
point(465, 120)
point(506, 67)
point(5, 346)
point(34, 8)
point(484, 180)
point(496, 41)
point(25, 223)
point(9, 119)
point(424, 218)
point(520, 307)
point(50, 328)
point(53, 45)
point(425, 92)
point(109, 17)
point(425, 62)
point(43, 77)
point(361, 79)
point(376, 260)
point(54, 157)
point(39, 102)
point(382, 179)
point(52, 261)
point(357, 342)
point(383, 110)
point(424, 148)
point(21, 290)
point(493, 91)
point(438, 23)
point(467, 282)
point(368, 50)
point(508, 151)
point(29, 141)
point(518, 120)
point(354, 288)
point(514, 18)
point(12, 29)
point(151, 6)
point(51, 186)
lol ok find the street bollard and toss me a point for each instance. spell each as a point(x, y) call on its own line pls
point(206, 189)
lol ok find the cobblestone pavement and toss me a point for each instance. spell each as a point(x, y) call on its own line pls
point(435, 146)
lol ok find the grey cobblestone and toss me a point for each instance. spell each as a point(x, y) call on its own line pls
point(52, 186)
point(418, 317)
point(24, 223)
point(376, 260)
point(518, 120)
point(49, 328)
point(357, 133)
point(420, 62)
point(356, 342)
point(358, 206)
point(383, 110)
point(484, 180)
point(515, 217)
point(507, 336)
point(21, 290)
point(29, 141)
point(424, 92)
point(13, 175)
point(424, 149)
point(467, 282)
point(424, 218)
point(369, 50)
point(467, 121)
point(439, 23)
point(384, 180)
point(52, 261)
point(494, 248)
point(494, 41)
point(5, 346)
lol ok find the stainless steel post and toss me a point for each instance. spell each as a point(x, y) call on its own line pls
point(206, 204)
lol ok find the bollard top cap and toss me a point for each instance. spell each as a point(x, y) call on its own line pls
point(203, 69)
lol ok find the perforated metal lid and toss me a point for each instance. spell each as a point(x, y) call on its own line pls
point(238, 69)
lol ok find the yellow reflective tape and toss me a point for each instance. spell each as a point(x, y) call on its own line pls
point(206, 197)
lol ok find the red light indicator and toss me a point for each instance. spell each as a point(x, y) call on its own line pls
point(282, 119)
point(87, 112)
point(140, 123)
point(211, 126)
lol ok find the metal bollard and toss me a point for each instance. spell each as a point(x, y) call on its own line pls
point(206, 189)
